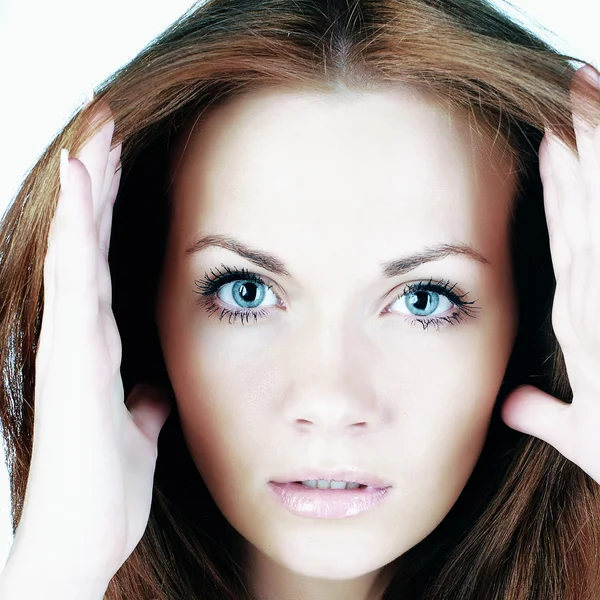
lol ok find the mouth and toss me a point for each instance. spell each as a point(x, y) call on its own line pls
point(344, 494)
point(337, 479)
point(330, 484)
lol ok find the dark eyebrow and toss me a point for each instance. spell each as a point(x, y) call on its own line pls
point(391, 268)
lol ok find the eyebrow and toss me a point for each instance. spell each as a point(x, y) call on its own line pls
point(389, 269)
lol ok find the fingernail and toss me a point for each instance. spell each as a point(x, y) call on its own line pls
point(592, 74)
point(90, 95)
point(64, 168)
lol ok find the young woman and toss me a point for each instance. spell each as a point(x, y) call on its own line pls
point(352, 281)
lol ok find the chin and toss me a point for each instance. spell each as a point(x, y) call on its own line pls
point(333, 554)
point(321, 565)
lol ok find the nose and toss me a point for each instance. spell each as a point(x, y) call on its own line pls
point(331, 386)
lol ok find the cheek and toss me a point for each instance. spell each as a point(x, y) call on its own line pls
point(447, 411)
point(223, 393)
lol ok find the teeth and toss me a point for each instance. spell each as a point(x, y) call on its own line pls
point(338, 485)
point(325, 484)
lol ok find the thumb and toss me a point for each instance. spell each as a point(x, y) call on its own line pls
point(149, 407)
point(532, 411)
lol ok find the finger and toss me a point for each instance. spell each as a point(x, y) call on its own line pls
point(589, 159)
point(559, 247)
point(94, 155)
point(532, 411)
point(107, 212)
point(584, 132)
point(570, 195)
point(46, 330)
point(74, 286)
point(595, 204)
point(70, 306)
point(49, 257)
point(114, 159)
point(104, 279)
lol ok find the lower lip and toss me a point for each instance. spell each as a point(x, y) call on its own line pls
point(327, 504)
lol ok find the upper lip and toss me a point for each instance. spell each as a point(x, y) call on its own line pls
point(348, 474)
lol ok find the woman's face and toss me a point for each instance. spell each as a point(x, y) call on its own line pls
point(369, 331)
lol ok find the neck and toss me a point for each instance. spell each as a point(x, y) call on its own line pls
point(272, 581)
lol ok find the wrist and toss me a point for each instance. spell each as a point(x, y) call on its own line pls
point(23, 582)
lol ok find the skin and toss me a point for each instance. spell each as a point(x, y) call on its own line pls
point(335, 184)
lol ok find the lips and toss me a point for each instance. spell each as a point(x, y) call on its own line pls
point(329, 493)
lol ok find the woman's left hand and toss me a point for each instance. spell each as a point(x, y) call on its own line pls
point(572, 205)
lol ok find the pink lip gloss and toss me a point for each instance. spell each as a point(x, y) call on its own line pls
point(327, 503)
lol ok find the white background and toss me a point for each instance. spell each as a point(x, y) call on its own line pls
point(52, 52)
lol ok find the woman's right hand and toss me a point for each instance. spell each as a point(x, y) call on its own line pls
point(89, 490)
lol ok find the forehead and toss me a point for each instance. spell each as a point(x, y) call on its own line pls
point(390, 167)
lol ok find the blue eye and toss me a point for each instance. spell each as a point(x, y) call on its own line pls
point(433, 304)
point(243, 293)
point(424, 303)
point(241, 290)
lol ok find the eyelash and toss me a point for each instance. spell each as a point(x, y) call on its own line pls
point(209, 286)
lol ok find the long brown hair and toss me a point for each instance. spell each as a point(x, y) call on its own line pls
point(527, 524)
